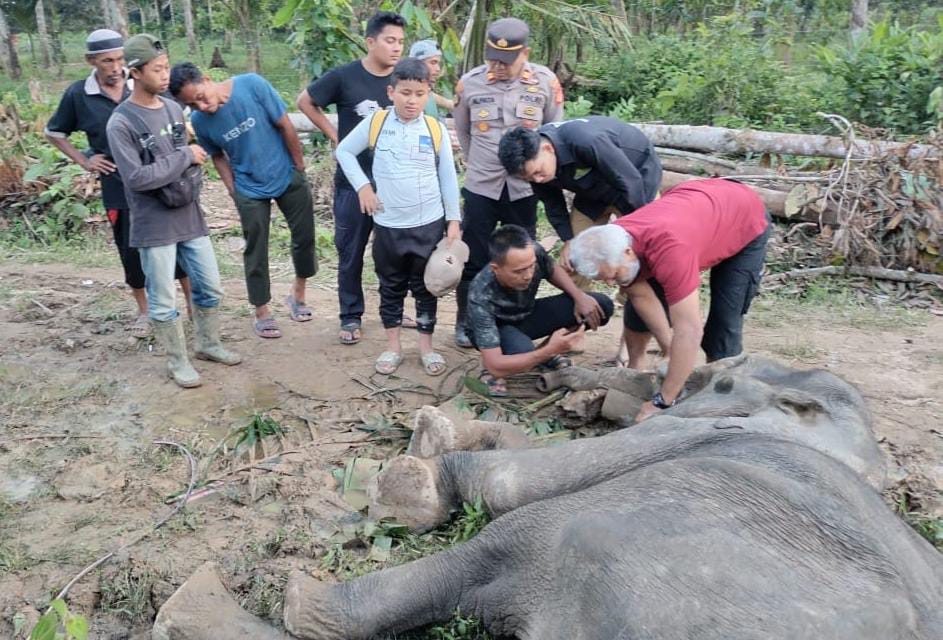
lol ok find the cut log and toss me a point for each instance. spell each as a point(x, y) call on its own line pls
point(740, 141)
point(776, 201)
point(878, 273)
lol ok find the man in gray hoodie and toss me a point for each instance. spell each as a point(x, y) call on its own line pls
point(162, 180)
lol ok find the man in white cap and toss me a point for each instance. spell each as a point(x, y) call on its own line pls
point(428, 51)
point(86, 106)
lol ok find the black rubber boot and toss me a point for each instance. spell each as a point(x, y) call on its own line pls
point(461, 334)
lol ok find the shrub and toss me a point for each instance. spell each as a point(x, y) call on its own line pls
point(885, 77)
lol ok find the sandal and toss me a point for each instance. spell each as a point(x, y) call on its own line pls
point(497, 387)
point(433, 363)
point(408, 323)
point(142, 328)
point(388, 362)
point(298, 310)
point(350, 334)
point(266, 328)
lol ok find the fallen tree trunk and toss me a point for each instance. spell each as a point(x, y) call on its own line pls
point(741, 141)
point(778, 203)
point(878, 273)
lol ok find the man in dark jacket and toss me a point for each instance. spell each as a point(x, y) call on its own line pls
point(609, 165)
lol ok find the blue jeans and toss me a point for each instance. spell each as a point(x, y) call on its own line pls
point(197, 259)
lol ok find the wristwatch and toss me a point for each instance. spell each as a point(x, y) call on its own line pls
point(659, 401)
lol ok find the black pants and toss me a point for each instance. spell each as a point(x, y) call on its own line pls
point(120, 220)
point(351, 233)
point(400, 256)
point(482, 216)
point(734, 283)
point(550, 314)
point(256, 218)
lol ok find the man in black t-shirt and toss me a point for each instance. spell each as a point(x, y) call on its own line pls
point(86, 106)
point(505, 316)
point(357, 89)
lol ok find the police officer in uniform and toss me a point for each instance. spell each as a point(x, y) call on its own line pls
point(506, 92)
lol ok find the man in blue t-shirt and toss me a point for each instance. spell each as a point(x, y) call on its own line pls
point(244, 125)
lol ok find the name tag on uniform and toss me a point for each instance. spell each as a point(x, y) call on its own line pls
point(423, 150)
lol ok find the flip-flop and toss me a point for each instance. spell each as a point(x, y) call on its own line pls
point(142, 328)
point(299, 311)
point(433, 363)
point(350, 334)
point(497, 388)
point(388, 362)
point(266, 328)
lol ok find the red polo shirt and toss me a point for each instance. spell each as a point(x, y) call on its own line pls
point(690, 229)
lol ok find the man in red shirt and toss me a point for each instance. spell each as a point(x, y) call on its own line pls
point(657, 254)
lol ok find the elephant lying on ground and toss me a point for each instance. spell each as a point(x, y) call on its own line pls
point(760, 524)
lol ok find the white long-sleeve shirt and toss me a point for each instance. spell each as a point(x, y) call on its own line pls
point(412, 189)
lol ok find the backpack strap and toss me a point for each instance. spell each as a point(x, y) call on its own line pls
point(435, 132)
point(377, 118)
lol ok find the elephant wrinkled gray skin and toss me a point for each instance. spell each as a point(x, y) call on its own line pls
point(749, 510)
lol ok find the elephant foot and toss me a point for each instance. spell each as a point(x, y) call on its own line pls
point(308, 609)
point(202, 609)
point(434, 434)
point(406, 491)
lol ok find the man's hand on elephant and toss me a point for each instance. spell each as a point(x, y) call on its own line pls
point(565, 257)
point(563, 340)
point(99, 164)
point(647, 411)
point(587, 309)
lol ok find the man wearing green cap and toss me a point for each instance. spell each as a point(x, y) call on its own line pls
point(162, 180)
point(507, 91)
point(86, 106)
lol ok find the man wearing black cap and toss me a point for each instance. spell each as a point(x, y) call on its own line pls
point(86, 106)
point(505, 92)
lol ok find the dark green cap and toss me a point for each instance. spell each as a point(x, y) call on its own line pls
point(141, 49)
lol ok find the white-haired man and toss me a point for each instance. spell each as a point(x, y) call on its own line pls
point(657, 254)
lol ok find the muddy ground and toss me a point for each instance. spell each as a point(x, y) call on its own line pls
point(83, 403)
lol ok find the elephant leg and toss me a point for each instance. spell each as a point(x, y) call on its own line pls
point(434, 434)
point(421, 493)
point(389, 601)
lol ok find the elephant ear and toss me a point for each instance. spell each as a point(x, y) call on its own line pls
point(799, 404)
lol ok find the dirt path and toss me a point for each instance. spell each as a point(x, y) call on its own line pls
point(82, 403)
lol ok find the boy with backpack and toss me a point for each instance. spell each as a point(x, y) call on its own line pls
point(416, 202)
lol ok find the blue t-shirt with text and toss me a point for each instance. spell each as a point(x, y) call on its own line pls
point(245, 129)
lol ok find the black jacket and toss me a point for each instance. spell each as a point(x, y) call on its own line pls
point(605, 163)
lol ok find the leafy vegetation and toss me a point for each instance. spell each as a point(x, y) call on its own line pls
point(60, 624)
